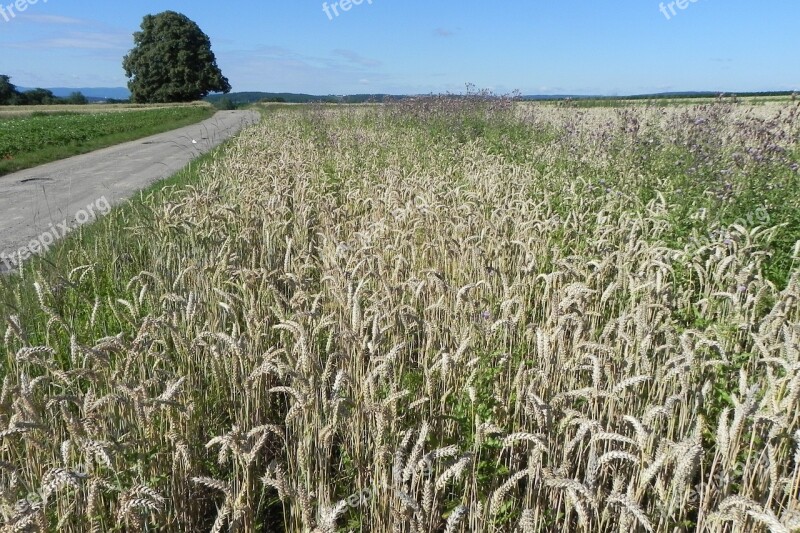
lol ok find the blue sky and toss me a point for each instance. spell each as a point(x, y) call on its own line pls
point(422, 46)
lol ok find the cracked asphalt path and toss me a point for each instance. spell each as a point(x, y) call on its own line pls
point(33, 201)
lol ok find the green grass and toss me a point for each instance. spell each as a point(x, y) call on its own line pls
point(41, 138)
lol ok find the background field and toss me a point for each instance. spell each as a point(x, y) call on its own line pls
point(33, 135)
point(446, 314)
point(28, 110)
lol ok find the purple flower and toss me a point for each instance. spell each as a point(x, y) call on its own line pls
point(486, 315)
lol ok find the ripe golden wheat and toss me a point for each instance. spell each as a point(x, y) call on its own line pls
point(339, 306)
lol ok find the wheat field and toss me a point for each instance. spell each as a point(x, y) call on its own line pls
point(436, 315)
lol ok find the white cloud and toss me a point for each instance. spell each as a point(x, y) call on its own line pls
point(355, 58)
point(79, 40)
point(52, 19)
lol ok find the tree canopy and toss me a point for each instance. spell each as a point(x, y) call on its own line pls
point(172, 61)
point(9, 95)
point(38, 97)
point(7, 90)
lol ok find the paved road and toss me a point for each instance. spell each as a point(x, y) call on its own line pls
point(40, 204)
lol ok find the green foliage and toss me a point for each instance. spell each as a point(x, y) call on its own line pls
point(172, 61)
point(76, 98)
point(37, 97)
point(7, 90)
point(225, 104)
point(9, 95)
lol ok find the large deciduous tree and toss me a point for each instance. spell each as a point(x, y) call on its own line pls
point(172, 61)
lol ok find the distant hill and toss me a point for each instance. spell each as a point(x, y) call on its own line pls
point(688, 94)
point(299, 98)
point(255, 96)
point(657, 96)
point(96, 94)
point(91, 93)
point(295, 98)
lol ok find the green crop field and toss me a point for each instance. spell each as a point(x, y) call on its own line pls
point(440, 315)
point(56, 109)
point(48, 135)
